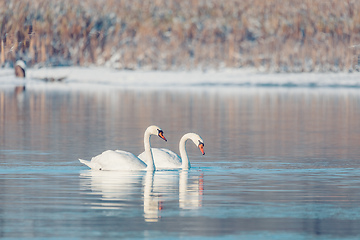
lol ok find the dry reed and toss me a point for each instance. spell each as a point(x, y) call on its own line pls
point(271, 35)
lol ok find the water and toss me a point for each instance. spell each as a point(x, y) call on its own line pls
point(279, 164)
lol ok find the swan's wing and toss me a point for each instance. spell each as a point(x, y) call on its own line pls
point(142, 157)
point(165, 159)
point(118, 160)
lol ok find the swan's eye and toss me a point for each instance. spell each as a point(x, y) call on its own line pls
point(201, 143)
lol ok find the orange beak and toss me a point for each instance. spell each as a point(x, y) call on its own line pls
point(201, 147)
point(161, 135)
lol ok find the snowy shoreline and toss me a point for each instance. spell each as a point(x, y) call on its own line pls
point(82, 77)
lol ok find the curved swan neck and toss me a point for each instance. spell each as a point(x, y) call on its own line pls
point(149, 156)
point(185, 164)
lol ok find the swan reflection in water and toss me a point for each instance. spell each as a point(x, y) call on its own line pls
point(156, 189)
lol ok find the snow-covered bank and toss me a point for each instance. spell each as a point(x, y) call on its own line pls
point(80, 77)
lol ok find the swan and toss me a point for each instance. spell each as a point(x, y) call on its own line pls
point(166, 159)
point(122, 160)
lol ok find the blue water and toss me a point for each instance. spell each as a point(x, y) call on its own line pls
point(279, 164)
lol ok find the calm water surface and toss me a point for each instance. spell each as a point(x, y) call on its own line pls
point(279, 164)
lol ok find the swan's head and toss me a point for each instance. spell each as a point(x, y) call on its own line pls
point(155, 130)
point(198, 141)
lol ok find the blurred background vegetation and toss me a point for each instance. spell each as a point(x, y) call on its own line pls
point(271, 35)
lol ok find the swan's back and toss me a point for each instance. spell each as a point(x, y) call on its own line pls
point(118, 160)
point(163, 158)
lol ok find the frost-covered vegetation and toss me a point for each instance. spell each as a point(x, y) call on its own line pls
point(271, 35)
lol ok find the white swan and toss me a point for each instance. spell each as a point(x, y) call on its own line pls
point(166, 159)
point(121, 160)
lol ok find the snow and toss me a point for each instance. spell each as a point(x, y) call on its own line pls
point(97, 78)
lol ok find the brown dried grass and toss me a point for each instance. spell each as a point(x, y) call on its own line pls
point(275, 35)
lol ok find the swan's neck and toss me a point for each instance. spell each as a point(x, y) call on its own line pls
point(149, 156)
point(185, 164)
